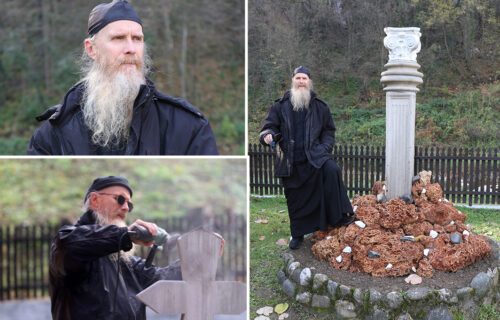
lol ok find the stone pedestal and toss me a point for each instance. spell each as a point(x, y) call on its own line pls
point(400, 83)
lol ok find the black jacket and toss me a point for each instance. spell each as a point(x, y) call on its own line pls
point(161, 125)
point(83, 279)
point(319, 133)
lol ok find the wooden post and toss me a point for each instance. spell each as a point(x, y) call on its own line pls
point(400, 80)
point(198, 296)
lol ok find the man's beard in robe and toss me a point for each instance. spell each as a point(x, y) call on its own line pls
point(108, 98)
point(103, 220)
point(300, 98)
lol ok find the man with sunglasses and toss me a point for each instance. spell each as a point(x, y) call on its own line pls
point(93, 272)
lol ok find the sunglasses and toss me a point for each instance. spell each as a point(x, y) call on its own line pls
point(120, 199)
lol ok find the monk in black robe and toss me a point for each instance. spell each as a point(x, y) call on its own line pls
point(302, 126)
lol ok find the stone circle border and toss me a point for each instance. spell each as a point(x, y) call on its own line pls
point(347, 302)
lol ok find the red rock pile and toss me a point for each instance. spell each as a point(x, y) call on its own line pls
point(435, 236)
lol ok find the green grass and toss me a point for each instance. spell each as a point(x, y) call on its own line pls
point(266, 258)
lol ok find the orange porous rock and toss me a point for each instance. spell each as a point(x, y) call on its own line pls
point(434, 192)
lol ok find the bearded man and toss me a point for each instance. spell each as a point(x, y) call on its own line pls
point(302, 126)
point(115, 109)
point(93, 272)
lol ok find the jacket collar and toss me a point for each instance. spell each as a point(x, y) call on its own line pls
point(87, 218)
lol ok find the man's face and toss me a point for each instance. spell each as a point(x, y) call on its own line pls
point(119, 46)
point(300, 80)
point(105, 202)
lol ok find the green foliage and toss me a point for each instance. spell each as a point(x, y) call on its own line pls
point(41, 190)
point(345, 53)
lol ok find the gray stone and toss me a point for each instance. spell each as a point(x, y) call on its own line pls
point(295, 276)
point(373, 254)
point(377, 314)
point(332, 287)
point(345, 309)
point(446, 295)
point(464, 293)
point(407, 198)
point(288, 258)
point(481, 283)
point(318, 280)
point(407, 238)
point(375, 296)
point(304, 297)
point(440, 313)
point(469, 308)
point(320, 301)
point(415, 179)
point(456, 238)
point(281, 276)
point(289, 288)
point(345, 291)
point(493, 274)
point(359, 296)
point(292, 266)
point(404, 316)
point(305, 277)
point(416, 294)
point(394, 299)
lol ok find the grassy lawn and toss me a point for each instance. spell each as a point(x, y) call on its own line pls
point(266, 257)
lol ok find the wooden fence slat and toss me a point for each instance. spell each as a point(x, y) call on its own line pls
point(466, 177)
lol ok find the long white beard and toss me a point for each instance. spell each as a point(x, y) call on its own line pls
point(300, 98)
point(108, 101)
point(103, 220)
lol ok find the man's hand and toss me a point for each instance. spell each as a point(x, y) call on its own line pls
point(223, 242)
point(268, 138)
point(152, 228)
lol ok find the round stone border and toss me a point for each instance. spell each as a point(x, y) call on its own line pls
point(325, 295)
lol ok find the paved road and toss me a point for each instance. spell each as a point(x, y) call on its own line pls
point(40, 310)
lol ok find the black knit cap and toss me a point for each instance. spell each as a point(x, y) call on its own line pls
point(302, 69)
point(109, 181)
point(105, 13)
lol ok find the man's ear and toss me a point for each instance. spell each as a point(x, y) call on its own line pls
point(93, 201)
point(90, 48)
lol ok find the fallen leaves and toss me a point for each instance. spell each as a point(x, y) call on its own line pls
point(282, 242)
point(261, 238)
point(280, 308)
point(266, 311)
point(261, 221)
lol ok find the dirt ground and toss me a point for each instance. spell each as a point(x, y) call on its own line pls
point(441, 279)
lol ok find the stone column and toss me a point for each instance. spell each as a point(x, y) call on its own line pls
point(400, 82)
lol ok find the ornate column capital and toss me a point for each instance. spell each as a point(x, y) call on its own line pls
point(403, 43)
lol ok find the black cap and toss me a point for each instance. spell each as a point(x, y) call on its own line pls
point(105, 13)
point(301, 69)
point(104, 182)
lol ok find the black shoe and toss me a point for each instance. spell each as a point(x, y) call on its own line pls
point(295, 243)
point(346, 220)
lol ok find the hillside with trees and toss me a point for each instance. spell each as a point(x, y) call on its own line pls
point(341, 42)
point(37, 191)
point(197, 48)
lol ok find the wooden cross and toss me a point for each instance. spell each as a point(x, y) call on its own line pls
point(198, 296)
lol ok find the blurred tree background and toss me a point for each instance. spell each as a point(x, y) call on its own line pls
point(197, 47)
point(341, 41)
point(52, 190)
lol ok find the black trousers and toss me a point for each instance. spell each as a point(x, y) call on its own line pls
point(315, 197)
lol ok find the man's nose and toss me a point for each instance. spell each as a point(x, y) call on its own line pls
point(130, 47)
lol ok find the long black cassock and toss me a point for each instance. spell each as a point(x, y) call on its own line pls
point(316, 197)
